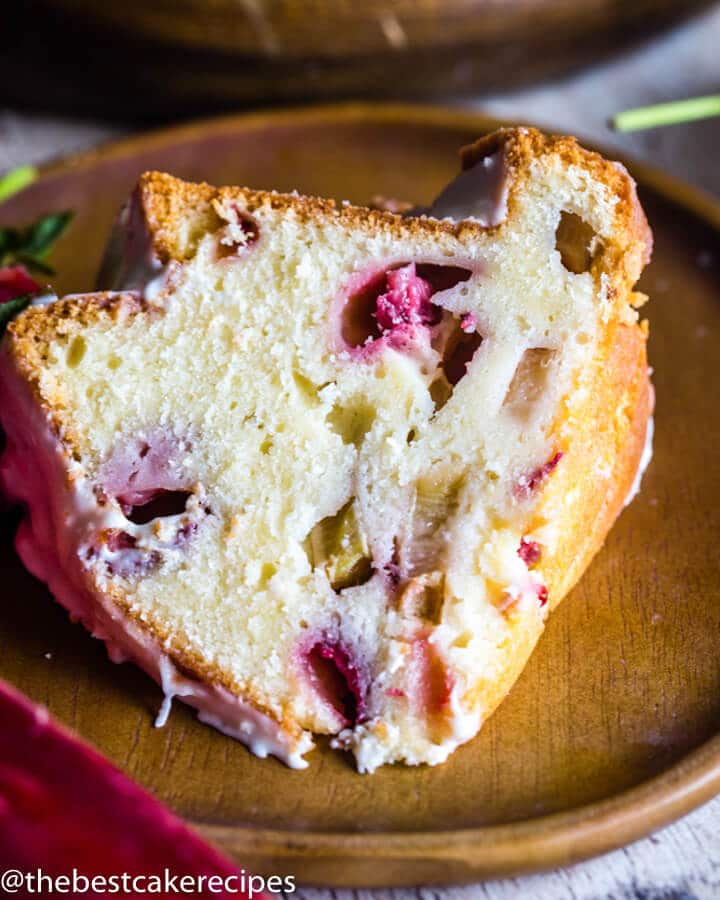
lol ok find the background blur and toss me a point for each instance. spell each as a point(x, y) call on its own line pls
point(76, 71)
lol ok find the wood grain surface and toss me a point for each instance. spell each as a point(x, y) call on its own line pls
point(623, 686)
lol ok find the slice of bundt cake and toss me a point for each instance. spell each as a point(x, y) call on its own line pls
point(324, 469)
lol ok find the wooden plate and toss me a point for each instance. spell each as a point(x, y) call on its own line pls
point(611, 731)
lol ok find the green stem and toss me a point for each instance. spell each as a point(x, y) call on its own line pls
point(667, 113)
point(15, 180)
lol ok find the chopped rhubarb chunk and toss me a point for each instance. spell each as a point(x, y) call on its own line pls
point(529, 552)
point(422, 598)
point(64, 807)
point(432, 681)
point(139, 471)
point(338, 545)
point(16, 281)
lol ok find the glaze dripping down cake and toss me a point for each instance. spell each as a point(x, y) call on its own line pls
point(322, 469)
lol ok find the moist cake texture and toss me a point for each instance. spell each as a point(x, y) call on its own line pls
point(321, 469)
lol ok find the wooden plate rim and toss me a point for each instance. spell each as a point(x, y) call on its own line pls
point(525, 846)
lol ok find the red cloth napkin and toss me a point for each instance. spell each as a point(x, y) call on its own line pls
point(16, 281)
point(63, 806)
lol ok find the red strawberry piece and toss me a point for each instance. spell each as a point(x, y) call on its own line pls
point(527, 484)
point(529, 552)
point(129, 561)
point(406, 300)
point(542, 594)
point(16, 281)
point(140, 471)
point(117, 540)
point(393, 307)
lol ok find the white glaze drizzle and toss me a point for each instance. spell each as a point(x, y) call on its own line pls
point(479, 193)
point(44, 299)
point(172, 686)
point(130, 262)
point(645, 459)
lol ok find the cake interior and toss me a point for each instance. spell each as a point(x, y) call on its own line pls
point(318, 449)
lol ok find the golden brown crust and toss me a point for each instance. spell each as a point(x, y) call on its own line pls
point(178, 212)
point(609, 428)
point(621, 385)
point(29, 335)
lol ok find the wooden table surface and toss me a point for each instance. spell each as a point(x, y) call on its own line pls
point(682, 862)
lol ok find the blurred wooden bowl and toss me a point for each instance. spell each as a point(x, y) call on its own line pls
point(170, 56)
point(337, 29)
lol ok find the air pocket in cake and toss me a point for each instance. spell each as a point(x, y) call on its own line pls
point(455, 339)
point(394, 306)
point(239, 234)
point(163, 504)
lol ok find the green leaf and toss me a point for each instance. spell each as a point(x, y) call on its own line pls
point(12, 308)
point(15, 180)
point(33, 264)
point(31, 245)
point(40, 236)
point(10, 239)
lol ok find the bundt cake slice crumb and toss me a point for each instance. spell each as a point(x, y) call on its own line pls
point(322, 469)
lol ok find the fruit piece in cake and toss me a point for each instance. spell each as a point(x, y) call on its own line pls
point(321, 469)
